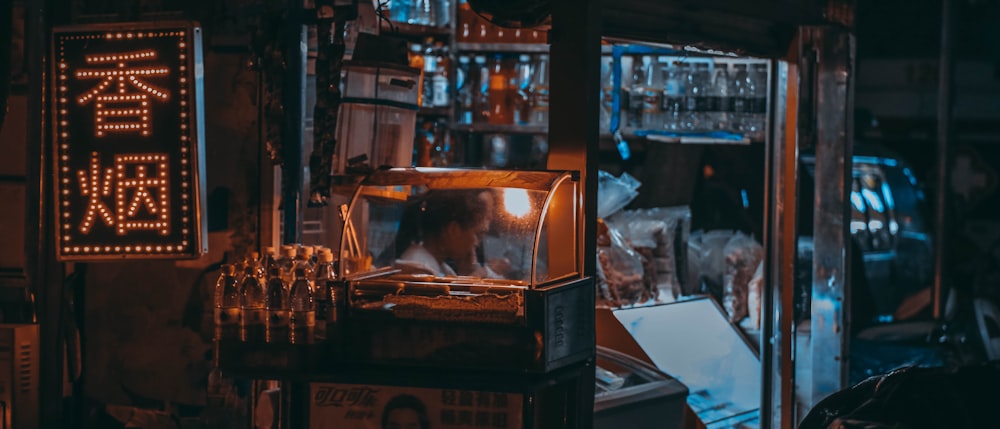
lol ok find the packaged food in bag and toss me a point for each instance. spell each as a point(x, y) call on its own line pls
point(742, 256)
point(620, 269)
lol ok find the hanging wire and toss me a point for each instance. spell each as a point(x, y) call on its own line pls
point(380, 12)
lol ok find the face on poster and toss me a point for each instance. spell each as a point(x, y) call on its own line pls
point(358, 406)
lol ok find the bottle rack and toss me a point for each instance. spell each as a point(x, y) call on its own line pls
point(446, 119)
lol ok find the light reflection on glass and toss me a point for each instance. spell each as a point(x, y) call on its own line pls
point(873, 200)
point(887, 195)
point(859, 205)
point(516, 202)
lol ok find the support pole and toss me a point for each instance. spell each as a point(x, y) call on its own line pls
point(293, 99)
point(945, 99)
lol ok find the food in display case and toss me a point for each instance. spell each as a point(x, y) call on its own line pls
point(432, 249)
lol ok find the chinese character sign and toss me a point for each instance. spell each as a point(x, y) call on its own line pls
point(127, 109)
point(354, 406)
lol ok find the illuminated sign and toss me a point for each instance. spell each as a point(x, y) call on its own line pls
point(127, 120)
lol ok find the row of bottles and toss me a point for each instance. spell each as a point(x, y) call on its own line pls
point(290, 296)
point(434, 63)
point(432, 147)
point(680, 96)
point(472, 28)
point(502, 89)
point(433, 13)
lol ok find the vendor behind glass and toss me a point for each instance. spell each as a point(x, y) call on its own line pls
point(441, 232)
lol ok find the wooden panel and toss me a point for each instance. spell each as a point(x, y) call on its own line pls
point(12, 137)
point(12, 221)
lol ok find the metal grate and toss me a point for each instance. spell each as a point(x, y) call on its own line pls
point(24, 367)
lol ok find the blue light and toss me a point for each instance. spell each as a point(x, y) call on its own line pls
point(746, 200)
point(887, 195)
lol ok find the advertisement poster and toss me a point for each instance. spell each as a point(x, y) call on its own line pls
point(360, 406)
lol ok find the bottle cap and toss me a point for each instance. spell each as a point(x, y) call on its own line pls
point(288, 251)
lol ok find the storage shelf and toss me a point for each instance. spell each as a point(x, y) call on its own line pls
point(502, 128)
point(528, 48)
point(697, 140)
point(443, 111)
point(417, 31)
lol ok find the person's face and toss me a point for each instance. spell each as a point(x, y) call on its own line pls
point(463, 240)
point(403, 418)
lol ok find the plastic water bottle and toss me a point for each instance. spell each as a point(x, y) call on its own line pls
point(227, 305)
point(673, 96)
point(252, 304)
point(302, 304)
point(276, 308)
point(720, 98)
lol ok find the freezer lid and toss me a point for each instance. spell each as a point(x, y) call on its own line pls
point(693, 342)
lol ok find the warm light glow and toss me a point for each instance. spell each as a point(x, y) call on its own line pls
point(516, 202)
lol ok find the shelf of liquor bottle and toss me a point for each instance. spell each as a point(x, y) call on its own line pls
point(502, 128)
point(416, 30)
point(436, 111)
point(527, 48)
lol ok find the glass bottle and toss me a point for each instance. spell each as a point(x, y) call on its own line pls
point(252, 304)
point(482, 95)
point(276, 308)
point(302, 304)
point(227, 304)
point(498, 93)
point(430, 67)
point(439, 80)
point(540, 92)
point(464, 91)
point(466, 21)
point(423, 13)
point(521, 85)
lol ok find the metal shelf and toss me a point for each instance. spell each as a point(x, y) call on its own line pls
point(697, 140)
point(501, 128)
point(528, 48)
point(417, 31)
point(443, 111)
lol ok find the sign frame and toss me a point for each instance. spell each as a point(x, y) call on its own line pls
point(158, 172)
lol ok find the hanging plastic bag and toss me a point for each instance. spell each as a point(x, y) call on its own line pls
point(614, 193)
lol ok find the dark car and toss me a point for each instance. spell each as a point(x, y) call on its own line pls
point(891, 237)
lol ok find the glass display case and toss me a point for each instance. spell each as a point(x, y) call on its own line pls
point(466, 266)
